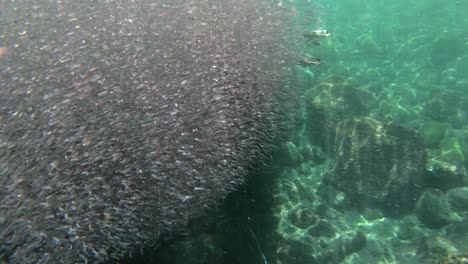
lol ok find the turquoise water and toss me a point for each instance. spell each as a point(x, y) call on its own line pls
point(387, 111)
point(400, 43)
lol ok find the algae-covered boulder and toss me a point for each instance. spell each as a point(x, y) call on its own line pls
point(443, 174)
point(458, 201)
point(453, 149)
point(458, 234)
point(329, 102)
point(436, 248)
point(433, 209)
point(378, 165)
point(302, 217)
point(432, 132)
point(446, 166)
point(446, 106)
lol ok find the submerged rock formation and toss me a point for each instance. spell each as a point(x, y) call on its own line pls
point(378, 165)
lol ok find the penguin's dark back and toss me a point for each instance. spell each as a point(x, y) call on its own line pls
point(120, 120)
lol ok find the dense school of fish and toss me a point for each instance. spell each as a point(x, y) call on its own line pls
point(120, 120)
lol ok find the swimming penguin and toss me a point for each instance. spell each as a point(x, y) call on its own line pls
point(315, 36)
point(310, 61)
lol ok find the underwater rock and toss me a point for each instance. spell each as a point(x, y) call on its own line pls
point(446, 166)
point(302, 217)
point(458, 201)
point(369, 47)
point(324, 250)
point(322, 228)
point(433, 209)
point(458, 234)
point(313, 153)
point(289, 155)
point(432, 132)
point(447, 47)
point(378, 165)
point(296, 152)
point(337, 249)
point(329, 102)
point(435, 248)
point(447, 106)
point(462, 136)
point(121, 120)
point(294, 252)
point(372, 214)
point(442, 173)
point(452, 150)
point(333, 197)
point(309, 219)
point(395, 109)
point(407, 230)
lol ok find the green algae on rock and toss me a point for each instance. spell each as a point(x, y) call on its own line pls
point(378, 164)
point(433, 209)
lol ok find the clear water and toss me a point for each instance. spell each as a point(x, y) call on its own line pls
point(387, 63)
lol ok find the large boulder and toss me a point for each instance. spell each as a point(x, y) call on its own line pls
point(433, 209)
point(458, 200)
point(378, 164)
point(329, 102)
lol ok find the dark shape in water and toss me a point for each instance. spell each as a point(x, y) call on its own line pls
point(310, 61)
point(313, 37)
point(120, 120)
